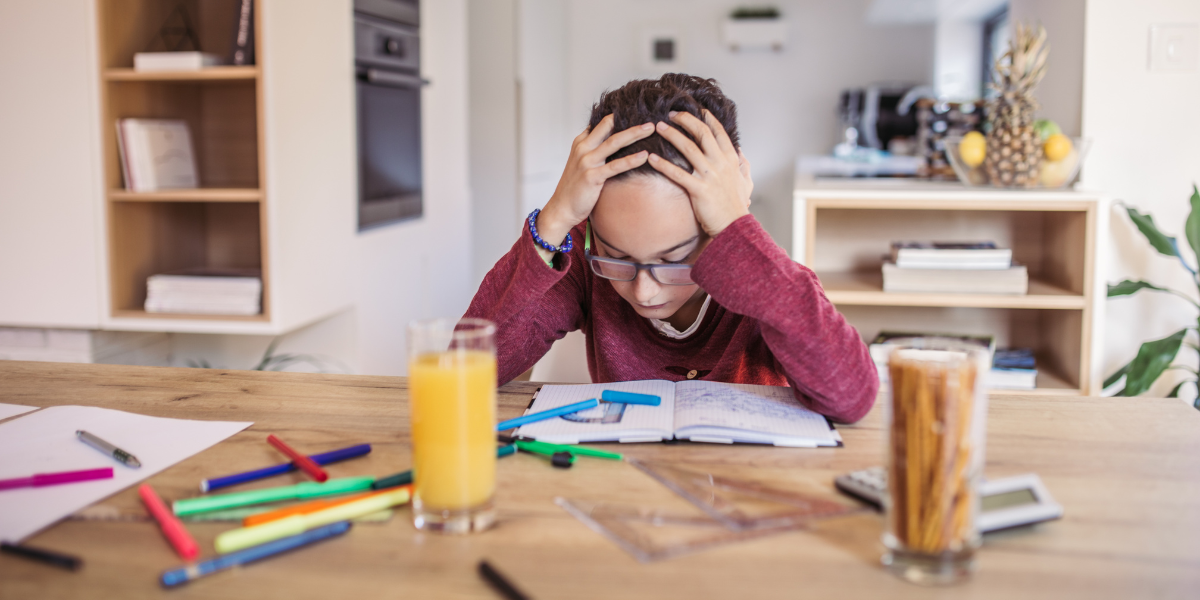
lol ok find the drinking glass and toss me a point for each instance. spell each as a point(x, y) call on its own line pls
point(935, 431)
point(452, 397)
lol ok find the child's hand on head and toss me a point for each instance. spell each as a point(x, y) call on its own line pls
point(720, 183)
point(585, 174)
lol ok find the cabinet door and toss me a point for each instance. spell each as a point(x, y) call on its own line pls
point(50, 194)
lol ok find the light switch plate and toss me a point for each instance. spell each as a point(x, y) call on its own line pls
point(1175, 48)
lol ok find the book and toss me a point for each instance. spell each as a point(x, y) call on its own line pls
point(1013, 280)
point(950, 255)
point(174, 61)
point(156, 154)
point(1013, 369)
point(205, 291)
point(700, 411)
point(243, 34)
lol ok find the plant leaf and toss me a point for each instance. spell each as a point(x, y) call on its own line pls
point(1152, 359)
point(1130, 286)
point(1192, 227)
point(1174, 393)
point(1115, 377)
point(1162, 242)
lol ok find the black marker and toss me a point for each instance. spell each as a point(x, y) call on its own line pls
point(65, 561)
point(502, 585)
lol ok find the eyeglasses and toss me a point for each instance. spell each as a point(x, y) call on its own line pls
point(623, 270)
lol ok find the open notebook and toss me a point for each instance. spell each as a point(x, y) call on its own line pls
point(700, 411)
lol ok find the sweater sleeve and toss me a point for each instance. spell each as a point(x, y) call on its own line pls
point(532, 304)
point(825, 361)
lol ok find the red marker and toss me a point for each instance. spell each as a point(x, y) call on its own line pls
point(174, 530)
point(305, 463)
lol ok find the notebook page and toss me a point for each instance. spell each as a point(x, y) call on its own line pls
point(771, 412)
point(623, 420)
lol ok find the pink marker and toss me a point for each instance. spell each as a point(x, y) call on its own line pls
point(42, 479)
point(171, 527)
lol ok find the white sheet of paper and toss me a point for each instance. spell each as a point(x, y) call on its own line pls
point(45, 442)
point(12, 410)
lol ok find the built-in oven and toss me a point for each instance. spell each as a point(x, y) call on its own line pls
point(388, 87)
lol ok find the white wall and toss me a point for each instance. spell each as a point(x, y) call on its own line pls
point(1061, 92)
point(413, 270)
point(786, 100)
point(50, 186)
point(494, 148)
point(1146, 128)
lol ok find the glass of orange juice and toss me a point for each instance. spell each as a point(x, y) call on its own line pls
point(452, 397)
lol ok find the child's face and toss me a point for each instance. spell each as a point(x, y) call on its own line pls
point(648, 219)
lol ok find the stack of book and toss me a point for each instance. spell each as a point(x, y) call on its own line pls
point(953, 268)
point(1012, 368)
point(205, 292)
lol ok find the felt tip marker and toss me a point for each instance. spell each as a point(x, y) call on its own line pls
point(65, 561)
point(301, 461)
point(406, 477)
point(183, 575)
point(630, 398)
point(324, 458)
point(548, 414)
point(171, 527)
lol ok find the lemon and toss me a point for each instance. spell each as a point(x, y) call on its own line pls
point(1057, 147)
point(972, 149)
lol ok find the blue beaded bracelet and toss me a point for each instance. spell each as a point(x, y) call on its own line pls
point(564, 248)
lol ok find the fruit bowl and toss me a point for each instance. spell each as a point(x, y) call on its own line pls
point(1052, 175)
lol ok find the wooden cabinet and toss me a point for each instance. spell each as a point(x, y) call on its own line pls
point(274, 145)
point(843, 231)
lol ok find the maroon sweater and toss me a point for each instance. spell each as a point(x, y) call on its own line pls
point(769, 323)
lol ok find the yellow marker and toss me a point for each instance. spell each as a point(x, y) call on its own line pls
point(238, 539)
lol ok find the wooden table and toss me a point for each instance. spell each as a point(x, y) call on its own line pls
point(1126, 470)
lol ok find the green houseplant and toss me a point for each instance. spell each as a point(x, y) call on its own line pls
point(1158, 356)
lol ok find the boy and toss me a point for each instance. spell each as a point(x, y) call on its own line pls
point(648, 246)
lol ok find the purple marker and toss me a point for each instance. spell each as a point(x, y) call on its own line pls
point(42, 479)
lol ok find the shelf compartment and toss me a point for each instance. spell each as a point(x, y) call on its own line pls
point(189, 195)
point(158, 237)
point(131, 26)
point(219, 73)
point(222, 118)
point(1050, 243)
point(1053, 334)
point(865, 288)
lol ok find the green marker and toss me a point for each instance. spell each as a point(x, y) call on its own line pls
point(308, 489)
point(406, 477)
point(548, 448)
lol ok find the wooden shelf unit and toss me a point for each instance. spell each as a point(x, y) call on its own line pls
point(843, 230)
point(224, 223)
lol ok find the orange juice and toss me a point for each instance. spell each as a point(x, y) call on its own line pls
point(453, 400)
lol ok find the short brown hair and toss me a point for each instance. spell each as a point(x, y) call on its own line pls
point(650, 100)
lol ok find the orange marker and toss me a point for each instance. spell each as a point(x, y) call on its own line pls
point(174, 530)
point(306, 508)
point(301, 461)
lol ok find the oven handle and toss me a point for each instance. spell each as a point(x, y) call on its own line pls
point(400, 80)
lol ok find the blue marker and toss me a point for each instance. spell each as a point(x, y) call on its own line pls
point(332, 456)
point(548, 414)
point(630, 398)
point(249, 555)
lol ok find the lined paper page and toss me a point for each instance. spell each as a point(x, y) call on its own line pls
point(756, 409)
point(636, 420)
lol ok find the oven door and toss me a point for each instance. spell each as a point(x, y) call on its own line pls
point(389, 147)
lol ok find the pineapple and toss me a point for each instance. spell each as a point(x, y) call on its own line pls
point(1014, 149)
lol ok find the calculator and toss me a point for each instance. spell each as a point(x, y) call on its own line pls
point(1004, 503)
